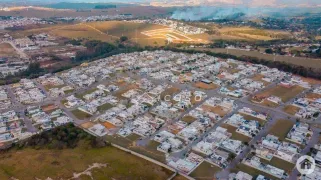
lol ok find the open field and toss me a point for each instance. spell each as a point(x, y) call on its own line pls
point(41, 12)
point(205, 171)
point(250, 33)
point(150, 150)
point(285, 93)
point(306, 62)
point(171, 36)
point(110, 31)
point(6, 50)
point(61, 164)
point(281, 128)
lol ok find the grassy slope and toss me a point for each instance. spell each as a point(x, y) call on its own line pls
point(30, 163)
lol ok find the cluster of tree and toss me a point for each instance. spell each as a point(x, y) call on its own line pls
point(97, 49)
point(34, 70)
point(94, 49)
point(104, 6)
point(5, 17)
point(62, 137)
point(74, 42)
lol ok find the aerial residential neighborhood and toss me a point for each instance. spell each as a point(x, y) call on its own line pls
point(154, 90)
point(182, 123)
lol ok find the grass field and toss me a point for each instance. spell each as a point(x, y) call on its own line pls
point(61, 164)
point(281, 128)
point(110, 31)
point(150, 150)
point(250, 33)
point(6, 50)
point(205, 171)
point(301, 61)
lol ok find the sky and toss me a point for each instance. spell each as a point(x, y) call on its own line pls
point(251, 3)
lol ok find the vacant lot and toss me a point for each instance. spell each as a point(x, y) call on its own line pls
point(188, 119)
point(61, 164)
point(253, 172)
point(259, 77)
point(6, 50)
point(277, 162)
point(281, 128)
point(217, 110)
point(205, 86)
point(205, 171)
point(282, 92)
point(80, 114)
point(313, 96)
point(290, 109)
point(251, 118)
point(236, 135)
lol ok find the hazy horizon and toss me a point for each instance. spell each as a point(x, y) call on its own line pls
point(250, 3)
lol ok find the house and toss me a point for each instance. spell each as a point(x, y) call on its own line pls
point(240, 176)
point(98, 130)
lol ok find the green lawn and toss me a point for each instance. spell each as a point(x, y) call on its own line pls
point(205, 171)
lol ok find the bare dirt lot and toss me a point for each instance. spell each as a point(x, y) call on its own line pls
point(6, 50)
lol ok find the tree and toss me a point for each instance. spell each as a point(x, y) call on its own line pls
point(123, 38)
point(269, 51)
point(98, 142)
